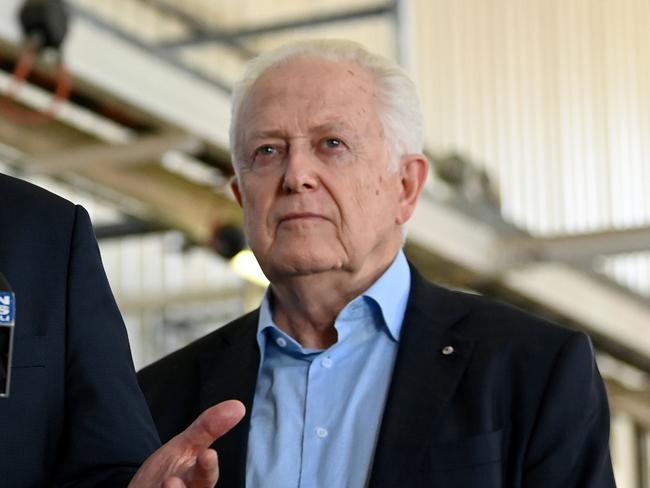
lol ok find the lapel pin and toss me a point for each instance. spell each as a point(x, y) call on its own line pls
point(447, 350)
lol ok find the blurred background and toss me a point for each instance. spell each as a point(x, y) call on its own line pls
point(537, 119)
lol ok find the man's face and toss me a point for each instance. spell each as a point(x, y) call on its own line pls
point(314, 178)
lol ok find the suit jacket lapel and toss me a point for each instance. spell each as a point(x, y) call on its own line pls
point(230, 372)
point(4, 224)
point(424, 379)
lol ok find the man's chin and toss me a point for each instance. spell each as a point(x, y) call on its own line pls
point(306, 265)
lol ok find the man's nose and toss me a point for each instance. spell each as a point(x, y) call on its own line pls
point(300, 171)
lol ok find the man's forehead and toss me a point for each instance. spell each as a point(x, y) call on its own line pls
point(260, 130)
point(306, 76)
point(310, 64)
point(308, 95)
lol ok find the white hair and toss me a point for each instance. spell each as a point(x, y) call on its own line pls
point(399, 105)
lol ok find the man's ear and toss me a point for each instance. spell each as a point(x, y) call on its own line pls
point(414, 169)
point(234, 186)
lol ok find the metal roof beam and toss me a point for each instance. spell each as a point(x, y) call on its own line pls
point(227, 35)
point(580, 248)
point(198, 27)
point(130, 226)
point(143, 150)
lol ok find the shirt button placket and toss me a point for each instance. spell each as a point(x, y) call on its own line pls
point(314, 433)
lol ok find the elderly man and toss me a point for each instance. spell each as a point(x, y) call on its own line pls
point(355, 370)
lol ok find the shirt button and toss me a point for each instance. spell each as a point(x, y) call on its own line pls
point(326, 362)
point(321, 432)
point(280, 341)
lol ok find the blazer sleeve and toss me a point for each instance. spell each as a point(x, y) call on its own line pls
point(108, 428)
point(569, 443)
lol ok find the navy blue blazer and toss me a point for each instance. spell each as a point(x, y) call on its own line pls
point(518, 403)
point(76, 416)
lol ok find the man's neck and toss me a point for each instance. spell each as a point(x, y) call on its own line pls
point(306, 306)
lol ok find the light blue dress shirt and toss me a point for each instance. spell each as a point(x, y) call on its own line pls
point(316, 413)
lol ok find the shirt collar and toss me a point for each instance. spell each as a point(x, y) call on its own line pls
point(390, 293)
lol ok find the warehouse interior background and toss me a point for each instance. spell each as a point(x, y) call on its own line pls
point(537, 120)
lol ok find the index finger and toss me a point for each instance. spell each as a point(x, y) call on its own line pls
point(212, 424)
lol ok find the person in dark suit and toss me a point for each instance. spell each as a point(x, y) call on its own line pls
point(75, 415)
point(355, 371)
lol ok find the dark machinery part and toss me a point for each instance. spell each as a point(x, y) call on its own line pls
point(228, 240)
point(44, 22)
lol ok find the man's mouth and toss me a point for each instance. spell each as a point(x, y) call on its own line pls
point(296, 216)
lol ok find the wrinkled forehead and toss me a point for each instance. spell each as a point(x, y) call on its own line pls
point(316, 67)
point(311, 86)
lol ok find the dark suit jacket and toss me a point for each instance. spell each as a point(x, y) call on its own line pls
point(518, 403)
point(76, 416)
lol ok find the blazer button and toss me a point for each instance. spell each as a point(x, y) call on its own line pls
point(447, 350)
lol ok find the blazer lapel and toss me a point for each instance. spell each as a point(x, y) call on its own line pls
point(424, 379)
point(5, 223)
point(230, 372)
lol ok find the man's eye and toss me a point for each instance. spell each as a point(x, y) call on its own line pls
point(265, 151)
point(332, 143)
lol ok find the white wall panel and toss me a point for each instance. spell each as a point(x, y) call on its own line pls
point(551, 97)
